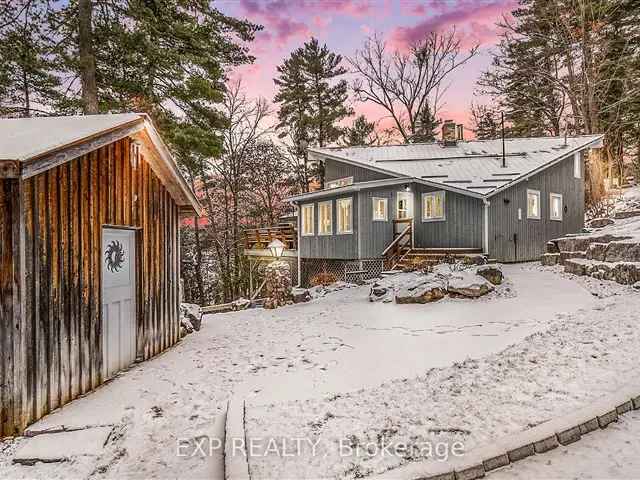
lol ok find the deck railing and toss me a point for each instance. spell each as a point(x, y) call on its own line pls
point(259, 238)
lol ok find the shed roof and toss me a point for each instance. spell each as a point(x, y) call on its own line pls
point(473, 166)
point(26, 138)
point(39, 143)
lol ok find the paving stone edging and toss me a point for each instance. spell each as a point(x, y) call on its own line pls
point(537, 440)
point(236, 464)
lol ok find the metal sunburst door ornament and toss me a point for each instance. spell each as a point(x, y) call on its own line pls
point(114, 256)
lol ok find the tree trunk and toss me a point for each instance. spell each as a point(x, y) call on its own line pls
point(198, 246)
point(87, 60)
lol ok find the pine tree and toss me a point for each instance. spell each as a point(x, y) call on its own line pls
point(28, 81)
point(312, 100)
point(361, 133)
point(486, 122)
point(426, 126)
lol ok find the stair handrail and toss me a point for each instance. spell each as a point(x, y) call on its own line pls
point(397, 240)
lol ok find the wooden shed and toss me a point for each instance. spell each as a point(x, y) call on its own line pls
point(89, 249)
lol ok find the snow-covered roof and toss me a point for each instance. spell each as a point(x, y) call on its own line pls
point(473, 166)
point(26, 138)
point(29, 140)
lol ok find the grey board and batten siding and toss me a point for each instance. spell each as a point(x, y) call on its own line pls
point(334, 170)
point(461, 228)
point(336, 246)
point(531, 235)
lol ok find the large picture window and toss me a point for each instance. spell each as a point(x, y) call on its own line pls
point(433, 206)
point(555, 206)
point(533, 204)
point(344, 207)
point(307, 220)
point(325, 218)
point(380, 209)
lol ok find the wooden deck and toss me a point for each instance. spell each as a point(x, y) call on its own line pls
point(258, 239)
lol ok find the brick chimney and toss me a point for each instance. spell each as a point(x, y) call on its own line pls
point(449, 133)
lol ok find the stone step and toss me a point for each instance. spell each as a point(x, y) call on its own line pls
point(581, 243)
point(626, 273)
point(627, 214)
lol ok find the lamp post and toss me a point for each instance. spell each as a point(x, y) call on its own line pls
point(277, 248)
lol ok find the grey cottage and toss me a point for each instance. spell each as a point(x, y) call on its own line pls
point(381, 205)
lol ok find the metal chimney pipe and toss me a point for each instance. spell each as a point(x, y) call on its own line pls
point(504, 157)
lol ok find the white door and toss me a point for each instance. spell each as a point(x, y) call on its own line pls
point(118, 300)
point(404, 210)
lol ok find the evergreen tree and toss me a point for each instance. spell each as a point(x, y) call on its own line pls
point(28, 81)
point(312, 100)
point(486, 122)
point(426, 126)
point(360, 133)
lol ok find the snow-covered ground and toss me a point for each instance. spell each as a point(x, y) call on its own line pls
point(323, 363)
point(581, 355)
point(613, 453)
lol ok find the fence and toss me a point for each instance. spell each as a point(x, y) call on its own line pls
point(352, 271)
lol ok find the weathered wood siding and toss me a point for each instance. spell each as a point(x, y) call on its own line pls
point(64, 210)
point(531, 235)
point(336, 246)
point(334, 170)
point(11, 373)
point(462, 227)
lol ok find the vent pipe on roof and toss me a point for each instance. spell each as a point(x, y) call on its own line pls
point(504, 156)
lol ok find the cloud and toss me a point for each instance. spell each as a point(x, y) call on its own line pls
point(474, 21)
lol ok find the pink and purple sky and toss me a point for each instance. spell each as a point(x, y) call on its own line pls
point(344, 24)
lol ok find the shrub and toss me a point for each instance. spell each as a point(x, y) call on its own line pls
point(323, 278)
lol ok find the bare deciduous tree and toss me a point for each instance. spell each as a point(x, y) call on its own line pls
point(408, 84)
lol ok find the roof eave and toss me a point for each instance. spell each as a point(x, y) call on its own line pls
point(549, 164)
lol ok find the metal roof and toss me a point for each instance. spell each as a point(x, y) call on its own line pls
point(473, 166)
point(26, 138)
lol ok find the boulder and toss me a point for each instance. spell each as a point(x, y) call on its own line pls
point(469, 286)
point(378, 292)
point(186, 327)
point(550, 259)
point(600, 222)
point(300, 295)
point(474, 260)
point(552, 247)
point(427, 292)
point(492, 273)
point(192, 313)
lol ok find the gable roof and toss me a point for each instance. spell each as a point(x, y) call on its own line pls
point(36, 144)
point(473, 167)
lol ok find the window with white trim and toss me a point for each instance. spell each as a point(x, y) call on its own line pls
point(339, 182)
point(380, 205)
point(577, 165)
point(307, 220)
point(433, 206)
point(325, 218)
point(533, 204)
point(555, 206)
point(344, 208)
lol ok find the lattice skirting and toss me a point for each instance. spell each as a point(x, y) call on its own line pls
point(353, 271)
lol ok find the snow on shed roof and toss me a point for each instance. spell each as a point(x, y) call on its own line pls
point(474, 166)
point(26, 138)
